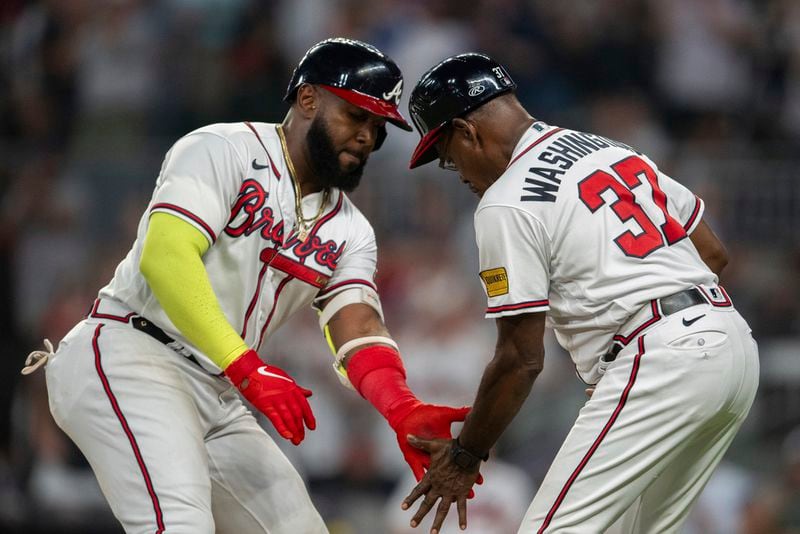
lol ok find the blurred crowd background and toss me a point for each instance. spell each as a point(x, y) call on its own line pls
point(94, 92)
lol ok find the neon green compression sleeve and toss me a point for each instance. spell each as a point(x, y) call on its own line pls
point(172, 264)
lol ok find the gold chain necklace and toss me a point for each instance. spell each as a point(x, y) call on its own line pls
point(304, 225)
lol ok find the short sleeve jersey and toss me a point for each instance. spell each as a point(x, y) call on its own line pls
point(588, 230)
point(231, 182)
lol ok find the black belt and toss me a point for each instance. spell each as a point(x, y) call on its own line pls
point(681, 301)
point(668, 305)
point(143, 325)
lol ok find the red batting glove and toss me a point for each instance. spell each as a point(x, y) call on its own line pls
point(273, 393)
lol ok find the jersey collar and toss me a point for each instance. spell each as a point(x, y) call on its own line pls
point(537, 132)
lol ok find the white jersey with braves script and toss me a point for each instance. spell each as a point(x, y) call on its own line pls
point(231, 182)
point(589, 230)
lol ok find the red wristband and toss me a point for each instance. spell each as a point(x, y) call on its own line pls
point(242, 366)
point(377, 373)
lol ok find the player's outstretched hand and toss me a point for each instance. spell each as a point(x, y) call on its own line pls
point(444, 481)
point(275, 394)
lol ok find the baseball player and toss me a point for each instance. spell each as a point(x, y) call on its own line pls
point(586, 234)
point(248, 223)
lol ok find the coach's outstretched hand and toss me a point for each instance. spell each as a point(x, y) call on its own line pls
point(444, 482)
point(275, 394)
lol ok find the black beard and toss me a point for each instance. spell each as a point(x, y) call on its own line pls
point(325, 161)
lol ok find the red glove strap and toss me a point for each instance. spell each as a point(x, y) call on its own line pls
point(378, 375)
point(243, 366)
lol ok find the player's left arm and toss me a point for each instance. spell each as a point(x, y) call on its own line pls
point(369, 358)
point(711, 249)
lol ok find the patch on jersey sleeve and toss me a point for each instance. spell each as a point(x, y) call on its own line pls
point(496, 281)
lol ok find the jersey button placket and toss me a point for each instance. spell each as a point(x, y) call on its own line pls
point(285, 203)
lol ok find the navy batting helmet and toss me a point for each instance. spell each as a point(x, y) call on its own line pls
point(451, 89)
point(357, 72)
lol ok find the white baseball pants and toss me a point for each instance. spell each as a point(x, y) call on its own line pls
point(660, 420)
point(174, 449)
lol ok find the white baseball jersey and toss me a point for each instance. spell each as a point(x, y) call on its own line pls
point(546, 245)
point(231, 182)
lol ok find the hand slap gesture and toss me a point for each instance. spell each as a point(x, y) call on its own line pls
point(428, 421)
point(445, 482)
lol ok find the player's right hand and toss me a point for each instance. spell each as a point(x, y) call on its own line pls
point(275, 394)
point(430, 421)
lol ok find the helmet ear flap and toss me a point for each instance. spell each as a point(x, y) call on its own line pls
point(380, 138)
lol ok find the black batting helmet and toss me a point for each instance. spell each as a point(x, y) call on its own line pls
point(451, 89)
point(357, 72)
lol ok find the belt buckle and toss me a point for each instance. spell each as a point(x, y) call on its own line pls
point(716, 296)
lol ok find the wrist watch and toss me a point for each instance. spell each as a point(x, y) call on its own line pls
point(464, 458)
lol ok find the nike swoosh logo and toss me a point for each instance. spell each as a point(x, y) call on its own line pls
point(258, 167)
point(263, 371)
point(690, 322)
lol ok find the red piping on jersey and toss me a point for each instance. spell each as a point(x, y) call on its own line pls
point(271, 163)
point(189, 214)
point(654, 319)
point(272, 311)
point(693, 216)
point(302, 272)
point(253, 300)
point(124, 423)
point(623, 399)
point(519, 306)
point(97, 315)
point(354, 281)
point(542, 138)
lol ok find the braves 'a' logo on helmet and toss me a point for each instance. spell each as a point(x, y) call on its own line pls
point(395, 93)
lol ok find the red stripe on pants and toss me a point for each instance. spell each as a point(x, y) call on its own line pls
point(131, 438)
point(623, 399)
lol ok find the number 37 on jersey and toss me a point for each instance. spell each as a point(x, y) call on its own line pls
point(627, 176)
